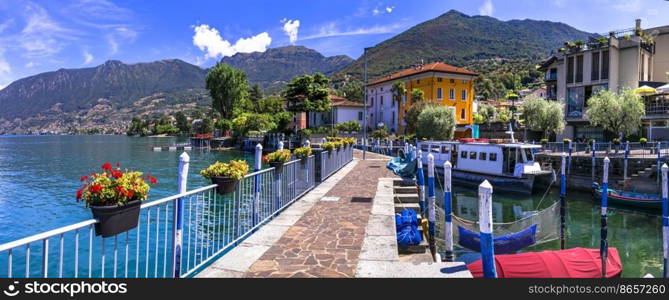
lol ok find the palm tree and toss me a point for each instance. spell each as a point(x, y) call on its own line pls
point(398, 90)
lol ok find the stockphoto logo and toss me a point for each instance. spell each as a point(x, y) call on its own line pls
point(71, 289)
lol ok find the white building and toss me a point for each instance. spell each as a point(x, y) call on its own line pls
point(382, 110)
point(342, 110)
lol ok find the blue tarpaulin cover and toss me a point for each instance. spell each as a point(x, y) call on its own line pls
point(406, 223)
point(506, 244)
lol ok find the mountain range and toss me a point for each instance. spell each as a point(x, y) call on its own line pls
point(458, 39)
point(106, 97)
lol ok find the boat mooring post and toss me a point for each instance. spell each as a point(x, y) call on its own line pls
point(627, 153)
point(569, 162)
point(604, 244)
point(420, 178)
point(665, 220)
point(485, 229)
point(178, 225)
point(280, 145)
point(390, 148)
point(256, 186)
point(563, 200)
point(448, 210)
point(277, 179)
point(594, 159)
point(430, 204)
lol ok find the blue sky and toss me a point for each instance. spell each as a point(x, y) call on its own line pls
point(38, 36)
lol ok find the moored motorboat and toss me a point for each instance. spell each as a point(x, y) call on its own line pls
point(628, 198)
point(508, 166)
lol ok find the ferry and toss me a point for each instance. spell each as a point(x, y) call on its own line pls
point(508, 166)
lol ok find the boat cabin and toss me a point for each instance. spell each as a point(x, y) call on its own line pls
point(510, 159)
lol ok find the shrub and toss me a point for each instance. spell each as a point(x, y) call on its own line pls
point(235, 169)
point(544, 141)
point(306, 132)
point(282, 156)
point(329, 146)
point(224, 124)
point(436, 123)
point(566, 141)
point(643, 140)
point(616, 141)
point(350, 126)
point(302, 152)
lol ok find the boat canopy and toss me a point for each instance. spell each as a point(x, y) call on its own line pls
point(569, 263)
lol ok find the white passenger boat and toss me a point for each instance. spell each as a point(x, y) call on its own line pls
point(509, 167)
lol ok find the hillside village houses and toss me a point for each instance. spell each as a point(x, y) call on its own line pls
point(628, 58)
point(441, 83)
point(341, 110)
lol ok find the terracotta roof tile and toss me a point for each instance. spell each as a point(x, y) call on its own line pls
point(431, 67)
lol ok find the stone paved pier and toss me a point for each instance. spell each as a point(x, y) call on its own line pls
point(345, 227)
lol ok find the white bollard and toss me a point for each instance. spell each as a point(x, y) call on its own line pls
point(177, 226)
point(448, 211)
point(485, 229)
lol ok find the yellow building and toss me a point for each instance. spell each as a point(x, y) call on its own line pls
point(441, 83)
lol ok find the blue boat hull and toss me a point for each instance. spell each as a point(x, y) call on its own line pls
point(522, 185)
point(641, 200)
point(506, 244)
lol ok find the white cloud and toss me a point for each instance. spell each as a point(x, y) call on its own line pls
point(4, 25)
point(290, 28)
point(332, 30)
point(42, 36)
point(652, 12)
point(31, 64)
point(487, 9)
point(5, 69)
point(627, 5)
point(88, 57)
point(5, 72)
point(208, 39)
point(113, 45)
point(376, 11)
point(559, 3)
point(389, 9)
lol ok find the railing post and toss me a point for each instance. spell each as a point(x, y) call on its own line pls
point(420, 177)
point(665, 221)
point(594, 159)
point(658, 161)
point(256, 183)
point(627, 153)
point(448, 210)
point(485, 229)
point(280, 147)
point(569, 162)
point(563, 201)
point(604, 244)
point(178, 223)
point(430, 204)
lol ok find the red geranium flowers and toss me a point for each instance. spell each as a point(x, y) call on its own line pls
point(113, 186)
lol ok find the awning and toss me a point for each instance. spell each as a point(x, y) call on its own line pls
point(663, 89)
point(645, 90)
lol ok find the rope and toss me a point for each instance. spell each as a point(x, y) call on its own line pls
point(546, 192)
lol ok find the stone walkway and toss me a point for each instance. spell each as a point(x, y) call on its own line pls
point(326, 241)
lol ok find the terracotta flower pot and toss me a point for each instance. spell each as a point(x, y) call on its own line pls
point(115, 219)
point(226, 185)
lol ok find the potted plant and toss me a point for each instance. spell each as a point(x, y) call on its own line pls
point(566, 142)
point(643, 141)
point(616, 141)
point(226, 175)
point(114, 198)
point(277, 159)
point(544, 142)
point(302, 153)
point(329, 146)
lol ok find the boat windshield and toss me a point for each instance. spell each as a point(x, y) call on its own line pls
point(529, 155)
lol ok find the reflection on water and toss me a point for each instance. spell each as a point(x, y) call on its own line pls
point(636, 234)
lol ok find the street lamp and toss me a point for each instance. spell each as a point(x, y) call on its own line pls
point(364, 120)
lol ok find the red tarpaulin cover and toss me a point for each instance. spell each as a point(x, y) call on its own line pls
point(569, 263)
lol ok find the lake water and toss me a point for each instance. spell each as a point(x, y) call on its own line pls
point(40, 174)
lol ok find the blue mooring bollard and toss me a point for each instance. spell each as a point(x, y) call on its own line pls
point(485, 230)
point(604, 244)
point(448, 211)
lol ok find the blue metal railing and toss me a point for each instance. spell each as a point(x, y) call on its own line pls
point(332, 161)
point(212, 225)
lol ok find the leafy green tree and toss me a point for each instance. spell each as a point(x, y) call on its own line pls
point(351, 89)
point(417, 95)
point(255, 94)
point(228, 89)
point(308, 93)
point(224, 125)
point(617, 113)
point(543, 115)
point(281, 121)
point(270, 105)
point(246, 122)
point(350, 126)
point(137, 127)
point(411, 116)
point(487, 112)
point(197, 114)
point(436, 122)
point(399, 91)
point(182, 122)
